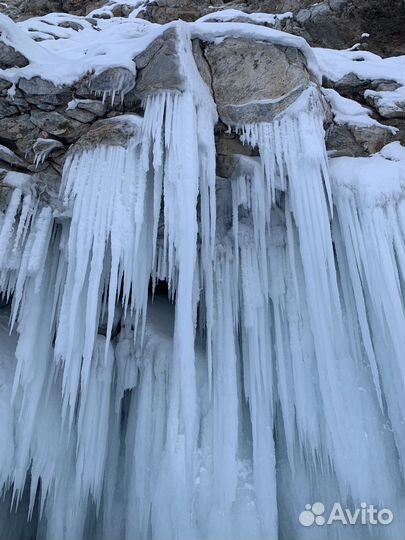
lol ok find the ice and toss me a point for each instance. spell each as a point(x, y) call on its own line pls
point(42, 148)
point(185, 356)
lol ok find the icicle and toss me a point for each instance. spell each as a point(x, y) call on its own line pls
point(370, 242)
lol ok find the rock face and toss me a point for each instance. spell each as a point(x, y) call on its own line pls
point(252, 84)
point(250, 80)
point(330, 23)
point(159, 66)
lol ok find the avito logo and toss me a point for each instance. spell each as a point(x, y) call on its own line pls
point(365, 515)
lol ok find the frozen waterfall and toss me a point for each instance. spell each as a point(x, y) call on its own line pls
point(271, 375)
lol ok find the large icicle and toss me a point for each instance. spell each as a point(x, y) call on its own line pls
point(370, 242)
point(331, 358)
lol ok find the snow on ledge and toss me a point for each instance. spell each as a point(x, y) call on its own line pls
point(377, 180)
point(228, 15)
point(365, 65)
point(115, 43)
point(349, 112)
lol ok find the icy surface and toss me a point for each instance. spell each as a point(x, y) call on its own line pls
point(268, 374)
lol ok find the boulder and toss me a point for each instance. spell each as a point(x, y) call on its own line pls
point(16, 127)
point(388, 103)
point(354, 141)
point(6, 109)
point(113, 81)
point(9, 157)
point(41, 87)
point(10, 58)
point(159, 66)
point(254, 81)
point(58, 125)
point(116, 131)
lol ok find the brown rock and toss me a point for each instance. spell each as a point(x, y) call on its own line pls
point(254, 81)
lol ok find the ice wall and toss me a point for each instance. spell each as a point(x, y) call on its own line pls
point(271, 377)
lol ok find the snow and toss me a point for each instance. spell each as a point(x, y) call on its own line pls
point(108, 9)
point(365, 65)
point(16, 179)
point(227, 15)
point(113, 43)
point(348, 111)
point(64, 61)
point(373, 181)
point(388, 103)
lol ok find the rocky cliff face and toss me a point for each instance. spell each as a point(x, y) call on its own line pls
point(329, 23)
point(249, 80)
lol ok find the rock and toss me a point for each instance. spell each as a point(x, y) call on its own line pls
point(6, 109)
point(95, 107)
point(9, 57)
point(44, 148)
point(9, 157)
point(389, 104)
point(83, 116)
point(349, 85)
point(159, 66)
point(350, 140)
point(201, 62)
point(18, 100)
point(81, 7)
point(40, 105)
point(47, 184)
point(110, 132)
point(228, 143)
point(122, 10)
point(254, 81)
point(71, 24)
point(113, 81)
point(58, 125)
point(16, 127)
point(85, 110)
point(40, 87)
point(4, 85)
point(341, 23)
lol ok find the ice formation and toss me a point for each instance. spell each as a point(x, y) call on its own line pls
point(271, 376)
